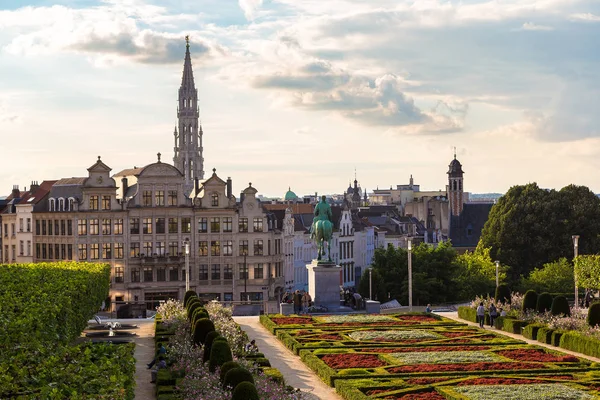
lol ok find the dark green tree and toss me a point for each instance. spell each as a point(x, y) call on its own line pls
point(593, 317)
point(544, 302)
point(560, 306)
point(378, 286)
point(475, 275)
point(503, 294)
point(553, 277)
point(530, 300)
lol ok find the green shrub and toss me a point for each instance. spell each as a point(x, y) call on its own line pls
point(467, 313)
point(560, 306)
point(593, 317)
point(272, 373)
point(513, 325)
point(544, 335)
point(208, 341)
point(575, 341)
point(191, 308)
point(187, 296)
point(199, 313)
point(220, 353)
point(164, 377)
point(235, 376)
point(353, 371)
point(503, 293)
point(556, 335)
point(531, 331)
point(261, 362)
point(544, 303)
point(245, 391)
point(229, 365)
point(201, 329)
point(530, 300)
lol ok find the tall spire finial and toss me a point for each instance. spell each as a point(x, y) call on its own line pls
point(187, 41)
point(455, 152)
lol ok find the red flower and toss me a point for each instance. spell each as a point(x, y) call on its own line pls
point(351, 360)
point(425, 381)
point(481, 366)
point(535, 355)
point(419, 318)
point(499, 381)
point(291, 320)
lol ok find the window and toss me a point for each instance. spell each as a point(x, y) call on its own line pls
point(160, 249)
point(28, 224)
point(147, 225)
point(147, 249)
point(174, 274)
point(29, 248)
point(258, 271)
point(61, 204)
point(118, 229)
point(56, 251)
point(134, 226)
point(227, 271)
point(159, 198)
point(94, 251)
point(243, 247)
point(106, 251)
point(12, 229)
point(186, 225)
point(81, 227)
point(49, 228)
point(94, 226)
point(160, 225)
point(63, 252)
point(6, 253)
point(20, 224)
point(51, 204)
point(258, 247)
point(93, 202)
point(173, 248)
point(119, 251)
point(50, 251)
point(69, 227)
point(228, 248)
point(215, 225)
point(148, 274)
point(215, 248)
point(258, 224)
point(227, 224)
point(202, 225)
point(81, 251)
point(215, 272)
point(106, 225)
point(203, 272)
point(161, 274)
point(214, 199)
point(203, 248)
point(172, 201)
point(173, 225)
point(69, 251)
point(56, 232)
point(38, 230)
point(147, 198)
point(21, 248)
point(44, 250)
point(134, 250)
point(106, 202)
point(119, 273)
point(71, 201)
point(135, 274)
point(243, 224)
point(243, 271)
point(62, 227)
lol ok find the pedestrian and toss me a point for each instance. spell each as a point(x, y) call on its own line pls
point(159, 365)
point(251, 347)
point(502, 313)
point(428, 308)
point(160, 352)
point(297, 302)
point(481, 314)
point(286, 297)
point(306, 300)
point(493, 314)
point(588, 298)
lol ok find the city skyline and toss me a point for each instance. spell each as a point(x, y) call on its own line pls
point(301, 95)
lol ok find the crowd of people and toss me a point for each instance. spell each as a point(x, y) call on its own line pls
point(301, 300)
point(493, 311)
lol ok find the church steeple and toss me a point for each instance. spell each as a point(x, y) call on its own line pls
point(188, 134)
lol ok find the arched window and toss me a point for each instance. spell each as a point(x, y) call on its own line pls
point(459, 185)
point(52, 204)
point(61, 204)
point(191, 103)
point(71, 202)
point(184, 103)
point(214, 199)
point(191, 129)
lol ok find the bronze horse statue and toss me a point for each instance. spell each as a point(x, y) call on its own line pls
point(322, 228)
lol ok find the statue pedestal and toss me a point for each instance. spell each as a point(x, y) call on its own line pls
point(324, 284)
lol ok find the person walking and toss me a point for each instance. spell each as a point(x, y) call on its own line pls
point(306, 300)
point(297, 302)
point(481, 314)
point(493, 314)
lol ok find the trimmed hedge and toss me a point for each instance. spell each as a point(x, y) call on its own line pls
point(245, 391)
point(273, 374)
point(201, 329)
point(556, 335)
point(593, 317)
point(560, 306)
point(513, 325)
point(544, 302)
point(544, 335)
point(187, 296)
point(229, 365)
point(503, 294)
point(530, 300)
point(531, 331)
point(235, 376)
point(208, 341)
point(219, 355)
point(467, 313)
point(575, 341)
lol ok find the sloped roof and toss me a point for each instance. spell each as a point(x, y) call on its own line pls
point(298, 208)
point(33, 197)
point(471, 220)
point(70, 181)
point(129, 172)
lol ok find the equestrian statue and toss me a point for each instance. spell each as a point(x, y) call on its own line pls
point(322, 228)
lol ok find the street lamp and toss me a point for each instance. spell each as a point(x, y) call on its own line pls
point(576, 252)
point(497, 266)
point(187, 264)
point(410, 299)
point(370, 284)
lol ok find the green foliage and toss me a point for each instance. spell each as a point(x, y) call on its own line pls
point(593, 317)
point(530, 300)
point(229, 365)
point(530, 226)
point(560, 306)
point(544, 303)
point(198, 314)
point(476, 274)
point(245, 391)
point(503, 294)
point(556, 336)
point(531, 331)
point(553, 277)
point(187, 296)
point(580, 343)
point(513, 325)
point(587, 269)
point(235, 376)
point(273, 374)
point(220, 353)
point(544, 335)
point(208, 341)
point(192, 307)
point(378, 286)
point(467, 313)
point(201, 329)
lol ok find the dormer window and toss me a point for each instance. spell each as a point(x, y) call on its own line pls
point(52, 204)
point(61, 204)
point(214, 199)
point(71, 202)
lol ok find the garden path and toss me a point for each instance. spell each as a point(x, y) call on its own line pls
point(294, 371)
point(454, 316)
point(144, 353)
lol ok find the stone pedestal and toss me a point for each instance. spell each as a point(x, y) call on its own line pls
point(324, 284)
point(373, 307)
point(286, 308)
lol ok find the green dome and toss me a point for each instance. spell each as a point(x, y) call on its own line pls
point(289, 196)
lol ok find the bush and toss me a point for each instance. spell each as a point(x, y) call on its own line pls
point(531, 331)
point(503, 294)
point(191, 308)
point(544, 335)
point(201, 329)
point(235, 376)
point(261, 362)
point(560, 306)
point(187, 296)
point(575, 341)
point(245, 391)
point(229, 365)
point(272, 373)
point(467, 313)
point(208, 341)
point(513, 325)
point(555, 339)
point(544, 303)
point(530, 300)
point(198, 314)
point(220, 353)
point(593, 317)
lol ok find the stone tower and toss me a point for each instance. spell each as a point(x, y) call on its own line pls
point(455, 186)
point(188, 135)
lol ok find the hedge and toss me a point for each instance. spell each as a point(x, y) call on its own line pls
point(513, 325)
point(531, 331)
point(556, 335)
point(579, 343)
point(544, 335)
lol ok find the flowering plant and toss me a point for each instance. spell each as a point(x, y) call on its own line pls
point(172, 311)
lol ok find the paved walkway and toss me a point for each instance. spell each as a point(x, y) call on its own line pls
point(144, 353)
point(454, 316)
point(294, 371)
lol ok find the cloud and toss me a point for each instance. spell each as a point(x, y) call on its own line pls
point(586, 17)
point(530, 26)
point(250, 7)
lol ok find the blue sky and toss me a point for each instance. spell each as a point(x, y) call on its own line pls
point(300, 93)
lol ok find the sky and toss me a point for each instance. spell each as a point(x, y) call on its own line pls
point(302, 94)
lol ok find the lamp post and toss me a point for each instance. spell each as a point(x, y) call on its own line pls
point(497, 267)
point(410, 299)
point(187, 264)
point(576, 252)
point(370, 284)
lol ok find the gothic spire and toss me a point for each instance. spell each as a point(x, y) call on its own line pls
point(187, 78)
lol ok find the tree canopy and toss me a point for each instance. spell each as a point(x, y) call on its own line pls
point(554, 277)
point(587, 269)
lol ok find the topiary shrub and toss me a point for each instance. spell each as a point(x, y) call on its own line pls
point(187, 296)
point(191, 309)
point(229, 365)
point(208, 341)
point(235, 376)
point(245, 391)
point(201, 329)
point(503, 294)
point(593, 317)
point(544, 303)
point(530, 300)
point(560, 306)
point(220, 353)
point(198, 314)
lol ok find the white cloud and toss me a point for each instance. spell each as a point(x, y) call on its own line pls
point(250, 7)
point(587, 17)
point(530, 26)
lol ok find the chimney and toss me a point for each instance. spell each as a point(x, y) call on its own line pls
point(196, 185)
point(15, 192)
point(242, 196)
point(34, 186)
point(124, 187)
point(229, 189)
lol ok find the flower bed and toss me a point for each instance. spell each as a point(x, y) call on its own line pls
point(393, 335)
point(523, 392)
point(477, 366)
point(352, 360)
point(536, 355)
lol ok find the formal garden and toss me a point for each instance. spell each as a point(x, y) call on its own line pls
point(426, 356)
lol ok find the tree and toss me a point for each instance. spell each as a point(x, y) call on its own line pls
point(475, 274)
point(554, 277)
point(587, 269)
point(378, 286)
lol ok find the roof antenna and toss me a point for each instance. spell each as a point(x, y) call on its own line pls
point(455, 152)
